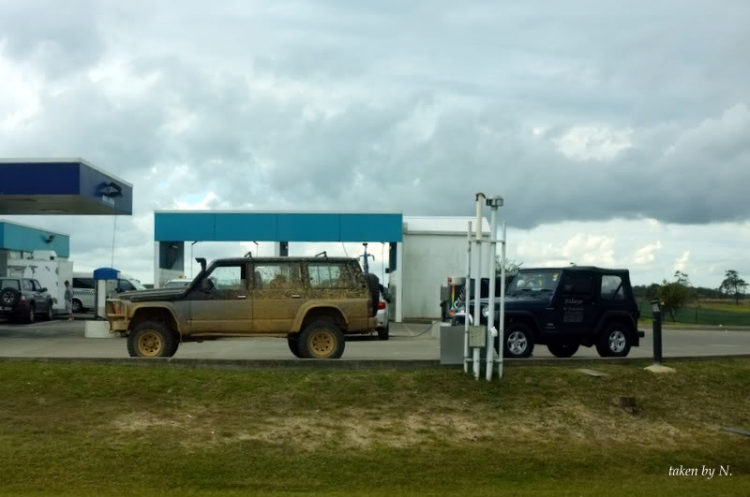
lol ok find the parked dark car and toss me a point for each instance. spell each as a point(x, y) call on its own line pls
point(564, 308)
point(24, 299)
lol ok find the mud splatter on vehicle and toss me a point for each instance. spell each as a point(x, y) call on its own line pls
point(312, 302)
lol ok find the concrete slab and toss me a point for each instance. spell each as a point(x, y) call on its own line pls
point(659, 369)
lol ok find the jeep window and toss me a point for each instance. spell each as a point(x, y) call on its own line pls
point(229, 277)
point(87, 283)
point(276, 276)
point(10, 284)
point(330, 276)
point(543, 280)
point(577, 284)
point(612, 288)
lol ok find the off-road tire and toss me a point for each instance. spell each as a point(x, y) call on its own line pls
point(563, 349)
point(513, 333)
point(615, 341)
point(293, 342)
point(373, 285)
point(384, 333)
point(321, 340)
point(77, 306)
point(152, 339)
point(9, 297)
point(31, 315)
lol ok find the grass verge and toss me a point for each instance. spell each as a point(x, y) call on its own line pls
point(99, 430)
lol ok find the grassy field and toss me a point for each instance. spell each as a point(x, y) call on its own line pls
point(99, 430)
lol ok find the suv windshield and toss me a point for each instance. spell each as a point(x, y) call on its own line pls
point(534, 280)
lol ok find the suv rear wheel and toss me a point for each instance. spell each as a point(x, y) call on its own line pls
point(321, 340)
point(614, 341)
point(152, 339)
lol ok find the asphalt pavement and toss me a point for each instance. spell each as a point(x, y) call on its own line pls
point(57, 339)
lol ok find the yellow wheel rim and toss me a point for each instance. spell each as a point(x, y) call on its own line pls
point(322, 343)
point(150, 344)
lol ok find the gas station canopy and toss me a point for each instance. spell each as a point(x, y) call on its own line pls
point(61, 186)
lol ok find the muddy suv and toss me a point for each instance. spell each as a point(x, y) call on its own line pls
point(312, 302)
point(564, 308)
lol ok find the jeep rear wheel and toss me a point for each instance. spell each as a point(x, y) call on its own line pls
point(152, 339)
point(614, 341)
point(563, 349)
point(321, 340)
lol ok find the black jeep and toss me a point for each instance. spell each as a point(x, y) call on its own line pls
point(564, 308)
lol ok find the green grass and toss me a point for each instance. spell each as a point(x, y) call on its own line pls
point(98, 430)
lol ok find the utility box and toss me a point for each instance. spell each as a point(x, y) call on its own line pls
point(451, 345)
point(105, 280)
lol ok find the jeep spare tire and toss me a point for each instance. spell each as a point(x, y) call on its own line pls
point(373, 285)
point(9, 297)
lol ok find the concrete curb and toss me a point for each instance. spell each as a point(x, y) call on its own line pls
point(312, 364)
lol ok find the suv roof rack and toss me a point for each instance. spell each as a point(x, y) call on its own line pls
point(249, 255)
point(324, 254)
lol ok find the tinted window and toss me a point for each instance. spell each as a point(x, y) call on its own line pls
point(26, 285)
point(10, 284)
point(126, 286)
point(330, 276)
point(36, 285)
point(578, 284)
point(229, 277)
point(612, 288)
point(275, 276)
point(85, 283)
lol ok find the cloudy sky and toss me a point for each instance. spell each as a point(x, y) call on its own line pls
point(618, 132)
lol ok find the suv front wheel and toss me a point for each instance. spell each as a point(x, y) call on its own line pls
point(614, 341)
point(321, 340)
point(152, 339)
point(519, 341)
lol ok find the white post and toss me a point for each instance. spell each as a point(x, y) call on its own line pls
point(467, 300)
point(492, 272)
point(502, 304)
point(156, 265)
point(478, 281)
point(400, 282)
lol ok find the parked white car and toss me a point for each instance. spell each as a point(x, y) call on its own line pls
point(178, 283)
point(84, 289)
point(382, 317)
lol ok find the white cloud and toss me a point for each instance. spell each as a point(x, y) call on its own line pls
point(681, 263)
point(591, 142)
point(647, 254)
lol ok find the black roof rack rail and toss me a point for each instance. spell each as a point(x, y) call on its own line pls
point(324, 254)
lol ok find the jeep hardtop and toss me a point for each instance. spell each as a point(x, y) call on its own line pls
point(564, 308)
point(312, 302)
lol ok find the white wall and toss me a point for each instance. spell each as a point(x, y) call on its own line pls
point(428, 262)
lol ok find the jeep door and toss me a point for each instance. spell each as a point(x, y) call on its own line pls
point(577, 306)
point(219, 303)
point(277, 293)
point(614, 293)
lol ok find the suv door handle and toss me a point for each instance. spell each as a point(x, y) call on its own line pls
point(241, 296)
point(295, 296)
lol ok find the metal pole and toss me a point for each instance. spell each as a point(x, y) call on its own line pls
point(478, 281)
point(657, 330)
point(501, 332)
point(467, 300)
point(491, 304)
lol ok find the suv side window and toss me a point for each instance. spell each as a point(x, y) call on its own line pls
point(27, 286)
point(577, 284)
point(37, 287)
point(330, 276)
point(10, 284)
point(612, 288)
point(277, 276)
point(229, 277)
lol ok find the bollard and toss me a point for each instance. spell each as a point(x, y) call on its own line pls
point(656, 310)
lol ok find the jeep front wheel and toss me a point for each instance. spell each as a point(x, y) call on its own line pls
point(321, 340)
point(152, 339)
point(519, 341)
point(614, 341)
